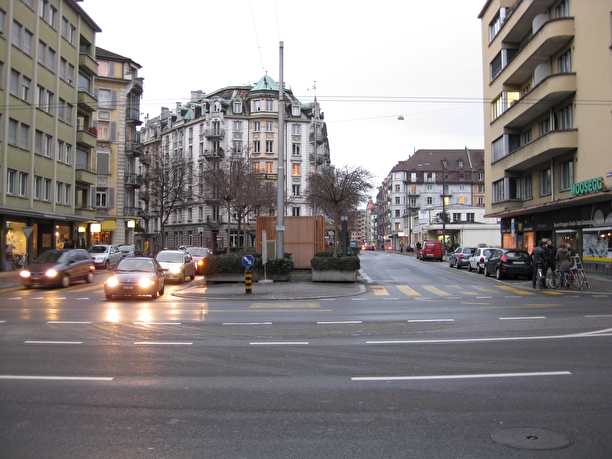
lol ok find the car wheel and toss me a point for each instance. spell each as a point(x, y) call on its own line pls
point(498, 274)
point(486, 271)
point(65, 280)
point(182, 278)
point(109, 296)
point(89, 277)
point(154, 295)
point(107, 264)
point(478, 268)
point(457, 265)
point(192, 277)
point(470, 269)
point(450, 263)
point(163, 289)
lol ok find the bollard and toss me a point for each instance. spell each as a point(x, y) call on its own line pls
point(248, 281)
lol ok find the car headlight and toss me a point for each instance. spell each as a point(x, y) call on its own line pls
point(175, 270)
point(24, 273)
point(146, 282)
point(51, 273)
point(201, 263)
point(112, 281)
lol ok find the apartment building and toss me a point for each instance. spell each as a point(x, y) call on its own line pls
point(432, 183)
point(547, 74)
point(235, 120)
point(47, 75)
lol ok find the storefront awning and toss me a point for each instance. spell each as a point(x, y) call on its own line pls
point(109, 225)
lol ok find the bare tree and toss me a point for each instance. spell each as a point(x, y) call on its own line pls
point(339, 191)
point(168, 179)
point(254, 194)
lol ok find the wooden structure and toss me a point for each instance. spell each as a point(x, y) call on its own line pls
point(304, 236)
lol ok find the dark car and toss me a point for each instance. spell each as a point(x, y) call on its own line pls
point(199, 255)
point(136, 276)
point(58, 268)
point(509, 263)
point(460, 256)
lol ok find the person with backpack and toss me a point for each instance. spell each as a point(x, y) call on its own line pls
point(564, 262)
point(538, 257)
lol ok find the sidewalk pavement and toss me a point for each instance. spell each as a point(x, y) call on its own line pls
point(300, 287)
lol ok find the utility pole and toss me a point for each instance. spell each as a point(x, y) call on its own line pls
point(280, 184)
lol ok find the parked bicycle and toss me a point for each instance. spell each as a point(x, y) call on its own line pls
point(21, 261)
point(573, 279)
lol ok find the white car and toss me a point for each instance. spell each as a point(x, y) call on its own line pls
point(479, 258)
point(105, 255)
point(177, 264)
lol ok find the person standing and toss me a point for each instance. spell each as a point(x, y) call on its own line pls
point(550, 253)
point(563, 259)
point(539, 261)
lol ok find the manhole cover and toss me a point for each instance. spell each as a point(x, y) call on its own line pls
point(530, 438)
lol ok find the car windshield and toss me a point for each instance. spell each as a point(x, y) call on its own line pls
point(52, 256)
point(135, 265)
point(170, 257)
point(516, 255)
point(97, 249)
point(198, 252)
point(126, 248)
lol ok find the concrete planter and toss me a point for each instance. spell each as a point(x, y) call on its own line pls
point(237, 277)
point(334, 276)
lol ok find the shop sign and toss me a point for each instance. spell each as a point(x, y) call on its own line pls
point(588, 186)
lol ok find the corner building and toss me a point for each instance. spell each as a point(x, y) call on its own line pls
point(548, 123)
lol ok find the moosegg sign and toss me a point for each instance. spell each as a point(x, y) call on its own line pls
point(588, 186)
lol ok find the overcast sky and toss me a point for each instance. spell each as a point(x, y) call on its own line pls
point(372, 62)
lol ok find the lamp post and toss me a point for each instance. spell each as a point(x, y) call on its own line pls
point(344, 238)
point(444, 192)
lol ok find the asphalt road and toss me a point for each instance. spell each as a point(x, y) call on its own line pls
point(429, 362)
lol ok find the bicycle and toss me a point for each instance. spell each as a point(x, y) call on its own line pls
point(541, 278)
point(572, 279)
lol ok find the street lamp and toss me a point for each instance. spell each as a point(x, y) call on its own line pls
point(344, 239)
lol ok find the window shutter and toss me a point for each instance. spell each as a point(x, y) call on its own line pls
point(93, 196)
point(111, 197)
point(113, 131)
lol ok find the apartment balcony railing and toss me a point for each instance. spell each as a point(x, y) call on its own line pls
point(219, 153)
point(133, 148)
point(86, 101)
point(133, 180)
point(85, 175)
point(132, 211)
point(214, 133)
point(86, 139)
point(88, 63)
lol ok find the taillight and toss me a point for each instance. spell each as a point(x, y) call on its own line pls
point(482, 259)
point(504, 259)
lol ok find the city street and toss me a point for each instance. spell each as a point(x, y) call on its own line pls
point(429, 361)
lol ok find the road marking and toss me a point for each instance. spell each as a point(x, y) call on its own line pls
point(293, 305)
point(52, 342)
point(157, 323)
point(416, 321)
point(598, 315)
point(435, 290)
point(68, 322)
point(515, 290)
point(522, 318)
point(466, 376)
point(407, 290)
point(247, 323)
point(341, 322)
point(161, 343)
point(57, 378)
point(280, 343)
point(379, 290)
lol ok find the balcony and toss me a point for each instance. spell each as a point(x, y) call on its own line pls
point(86, 101)
point(214, 133)
point(219, 153)
point(550, 92)
point(133, 180)
point(132, 211)
point(541, 150)
point(85, 176)
point(133, 148)
point(85, 212)
point(132, 116)
point(86, 139)
point(518, 25)
point(88, 64)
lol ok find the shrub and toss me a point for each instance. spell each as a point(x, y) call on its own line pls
point(326, 263)
point(279, 266)
point(232, 264)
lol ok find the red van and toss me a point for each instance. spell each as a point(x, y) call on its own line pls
point(432, 250)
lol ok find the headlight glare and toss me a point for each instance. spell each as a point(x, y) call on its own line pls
point(146, 282)
point(112, 281)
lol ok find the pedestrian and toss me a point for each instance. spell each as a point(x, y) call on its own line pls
point(565, 264)
point(571, 251)
point(539, 261)
point(550, 253)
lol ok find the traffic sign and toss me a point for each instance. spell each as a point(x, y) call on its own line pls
point(248, 260)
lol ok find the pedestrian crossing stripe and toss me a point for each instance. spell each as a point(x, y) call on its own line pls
point(436, 290)
point(407, 290)
point(515, 290)
point(379, 290)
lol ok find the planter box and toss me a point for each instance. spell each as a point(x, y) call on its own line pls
point(334, 276)
point(236, 277)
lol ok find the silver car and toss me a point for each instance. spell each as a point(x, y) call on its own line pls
point(480, 257)
point(177, 264)
point(105, 255)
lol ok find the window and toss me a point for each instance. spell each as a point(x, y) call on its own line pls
point(51, 59)
point(40, 97)
point(103, 163)
point(48, 146)
point(565, 117)
point(12, 135)
point(60, 151)
point(295, 211)
point(16, 38)
point(38, 181)
point(14, 84)
point(216, 128)
point(49, 104)
point(295, 170)
point(67, 193)
point(502, 103)
point(397, 200)
point(2, 19)
point(28, 39)
point(269, 167)
point(104, 98)
point(567, 174)
point(42, 49)
point(24, 137)
point(470, 217)
point(256, 126)
point(526, 137)
point(101, 198)
point(456, 217)
point(238, 126)
point(269, 126)
point(562, 9)
point(429, 200)
point(269, 105)
point(296, 129)
point(237, 106)
point(295, 190)
point(295, 110)
point(257, 105)
point(544, 126)
point(23, 184)
point(256, 146)
point(47, 190)
point(397, 214)
point(59, 192)
point(545, 182)
point(296, 149)
point(38, 142)
point(269, 146)
point(498, 191)
point(25, 88)
point(527, 187)
point(10, 181)
point(68, 158)
point(564, 63)
point(496, 24)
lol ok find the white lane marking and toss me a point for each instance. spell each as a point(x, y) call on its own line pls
point(341, 322)
point(162, 343)
point(157, 323)
point(359, 299)
point(590, 316)
point(52, 342)
point(84, 298)
point(416, 321)
point(247, 323)
point(475, 376)
point(522, 318)
point(280, 343)
point(2, 321)
point(57, 378)
point(67, 322)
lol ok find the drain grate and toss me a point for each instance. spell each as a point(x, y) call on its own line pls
point(532, 438)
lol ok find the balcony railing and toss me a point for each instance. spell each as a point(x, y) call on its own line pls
point(133, 180)
point(133, 148)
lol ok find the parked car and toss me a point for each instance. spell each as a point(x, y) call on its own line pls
point(135, 276)
point(461, 256)
point(509, 263)
point(130, 250)
point(479, 258)
point(58, 267)
point(199, 255)
point(105, 255)
point(432, 250)
point(177, 264)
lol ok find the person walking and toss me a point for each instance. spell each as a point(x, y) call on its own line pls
point(550, 253)
point(539, 261)
point(565, 264)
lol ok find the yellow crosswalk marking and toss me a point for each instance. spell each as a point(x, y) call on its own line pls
point(436, 290)
point(515, 290)
point(407, 290)
point(379, 290)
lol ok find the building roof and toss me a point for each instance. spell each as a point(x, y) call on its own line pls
point(103, 53)
point(430, 160)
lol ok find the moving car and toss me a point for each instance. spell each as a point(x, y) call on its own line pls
point(177, 264)
point(432, 250)
point(135, 276)
point(105, 255)
point(130, 250)
point(58, 267)
point(461, 256)
point(479, 258)
point(199, 255)
point(509, 263)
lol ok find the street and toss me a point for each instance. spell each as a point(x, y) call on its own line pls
point(428, 362)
